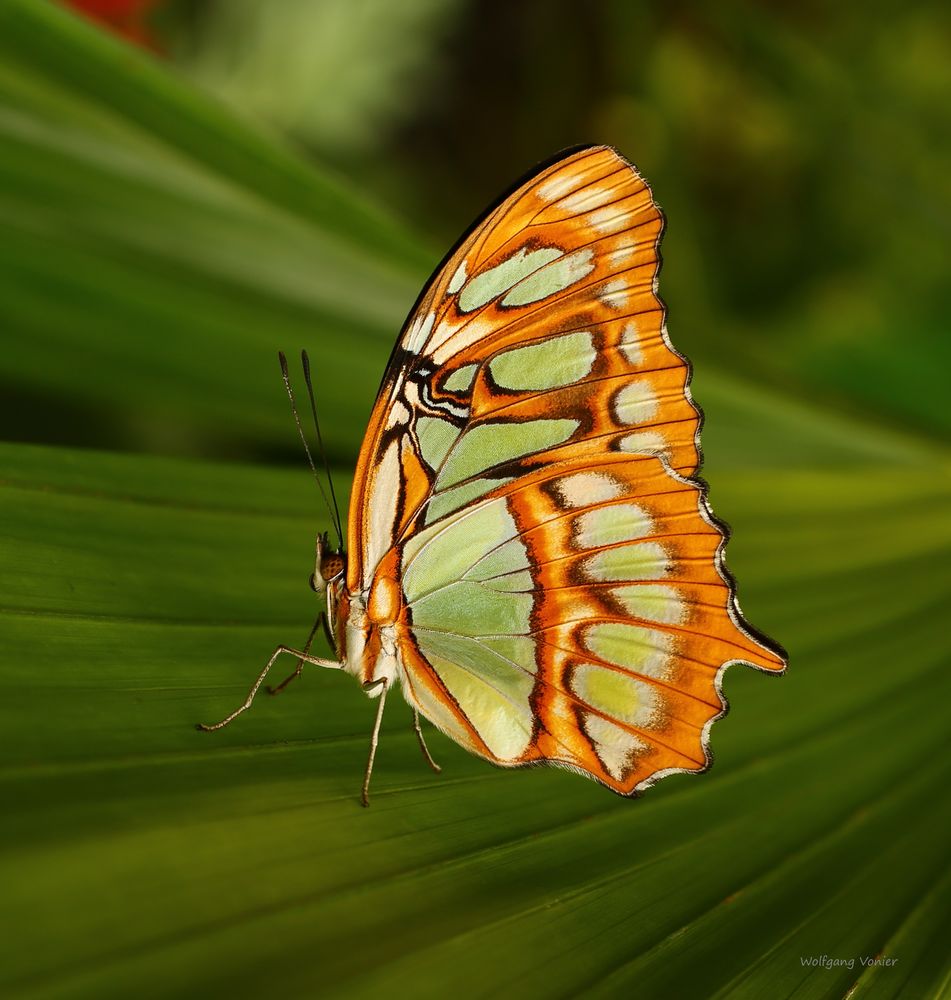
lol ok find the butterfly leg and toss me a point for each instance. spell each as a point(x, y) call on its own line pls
point(375, 737)
point(422, 742)
point(299, 669)
point(302, 656)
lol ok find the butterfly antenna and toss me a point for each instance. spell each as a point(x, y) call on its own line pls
point(300, 431)
point(305, 361)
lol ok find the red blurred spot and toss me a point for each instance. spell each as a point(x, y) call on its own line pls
point(128, 18)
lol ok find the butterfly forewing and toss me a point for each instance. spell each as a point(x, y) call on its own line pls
point(527, 479)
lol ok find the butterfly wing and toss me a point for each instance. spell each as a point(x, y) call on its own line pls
point(527, 478)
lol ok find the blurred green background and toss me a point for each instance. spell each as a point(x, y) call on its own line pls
point(186, 187)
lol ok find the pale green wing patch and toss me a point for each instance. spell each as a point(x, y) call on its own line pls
point(495, 281)
point(483, 655)
point(495, 703)
point(554, 277)
point(469, 597)
point(509, 557)
point(445, 551)
point(639, 561)
point(468, 607)
point(616, 694)
point(461, 379)
point(611, 524)
point(641, 650)
point(447, 501)
point(468, 456)
point(490, 678)
point(488, 445)
point(436, 436)
point(555, 362)
point(517, 582)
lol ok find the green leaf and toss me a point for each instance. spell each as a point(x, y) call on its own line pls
point(140, 594)
point(143, 594)
point(146, 230)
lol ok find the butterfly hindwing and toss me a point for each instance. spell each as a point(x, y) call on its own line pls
point(527, 479)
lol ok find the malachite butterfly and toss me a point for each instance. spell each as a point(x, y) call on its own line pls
point(530, 553)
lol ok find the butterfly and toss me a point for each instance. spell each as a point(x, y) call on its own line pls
point(530, 554)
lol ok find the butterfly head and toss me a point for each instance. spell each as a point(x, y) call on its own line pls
point(329, 565)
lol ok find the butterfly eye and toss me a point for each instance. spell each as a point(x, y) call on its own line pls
point(331, 566)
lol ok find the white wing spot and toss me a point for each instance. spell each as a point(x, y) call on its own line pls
point(614, 294)
point(585, 488)
point(621, 255)
point(384, 485)
point(631, 343)
point(644, 443)
point(399, 415)
point(636, 403)
point(609, 219)
point(419, 333)
point(653, 602)
point(444, 347)
point(610, 525)
point(458, 279)
point(614, 746)
point(584, 200)
point(556, 186)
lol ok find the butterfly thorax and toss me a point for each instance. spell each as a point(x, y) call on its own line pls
point(368, 624)
point(361, 624)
